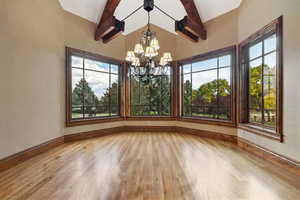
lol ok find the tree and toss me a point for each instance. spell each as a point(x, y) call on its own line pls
point(84, 95)
point(110, 97)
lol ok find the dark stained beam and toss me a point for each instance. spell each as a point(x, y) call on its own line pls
point(119, 28)
point(191, 26)
point(109, 25)
point(183, 32)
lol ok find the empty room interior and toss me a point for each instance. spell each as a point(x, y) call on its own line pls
point(149, 100)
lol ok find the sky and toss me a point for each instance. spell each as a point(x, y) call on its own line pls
point(98, 81)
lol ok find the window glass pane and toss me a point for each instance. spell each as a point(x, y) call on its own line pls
point(255, 116)
point(114, 90)
point(77, 112)
point(204, 94)
point(102, 111)
point(270, 99)
point(96, 88)
point(96, 65)
point(187, 94)
point(255, 51)
point(77, 61)
point(270, 64)
point(224, 101)
point(77, 87)
point(114, 110)
point(205, 65)
point(151, 96)
point(225, 61)
point(270, 44)
point(255, 91)
point(186, 68)
point(114, 69)
point(165, 95)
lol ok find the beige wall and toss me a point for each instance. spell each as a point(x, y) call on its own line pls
point(253, 15)
point(166, 39)
point(33, 36)
point(79, 33)
point(221, 32)
point(31, 77)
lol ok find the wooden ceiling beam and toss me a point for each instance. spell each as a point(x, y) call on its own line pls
point(191, 26)
point(109, 26)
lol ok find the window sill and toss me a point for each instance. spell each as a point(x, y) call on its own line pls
point(261, 131)
point(217, 122)
point(82, 122)
point(151, 118)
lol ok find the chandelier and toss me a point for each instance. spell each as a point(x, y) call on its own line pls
point(143, 58)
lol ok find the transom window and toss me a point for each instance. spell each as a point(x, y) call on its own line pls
point(207, 86)
point(95, 87)
point(150, 95)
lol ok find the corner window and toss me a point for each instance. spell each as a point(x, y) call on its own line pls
point(93, 87)
point(207, 86)
point(261, 84)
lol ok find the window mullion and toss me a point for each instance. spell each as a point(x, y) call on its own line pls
point(262, 84)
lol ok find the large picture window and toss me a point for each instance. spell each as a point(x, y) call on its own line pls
point(261, 67)
point(207, 86)
point(94, 86)
point(150, 95)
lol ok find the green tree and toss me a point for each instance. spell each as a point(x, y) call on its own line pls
point(84, 95)
point(110, 97)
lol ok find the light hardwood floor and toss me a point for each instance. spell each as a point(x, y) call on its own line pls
point(148, 166)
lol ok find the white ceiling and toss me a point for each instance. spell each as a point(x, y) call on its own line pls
point(92, 11)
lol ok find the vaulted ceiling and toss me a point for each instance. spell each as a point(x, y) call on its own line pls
point(92, 10)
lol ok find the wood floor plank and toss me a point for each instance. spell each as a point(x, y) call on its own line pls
point(148, 166)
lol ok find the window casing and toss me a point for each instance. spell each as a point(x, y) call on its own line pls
point(207, 87)
point(150, 95)
point(261, 82)
point(93, 87)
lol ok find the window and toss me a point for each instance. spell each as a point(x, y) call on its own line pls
point(261, 88)
point(150, 95)
point(207, 86)
point(94, 87)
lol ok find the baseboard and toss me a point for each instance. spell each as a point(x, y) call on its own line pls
point(92, 134)
point(208, 134)
point(266, 154)
point(282, 161)
point(20, 157)
point(202, 133)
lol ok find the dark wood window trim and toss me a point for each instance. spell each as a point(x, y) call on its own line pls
point(77, 122)
point(274, 27)
point(228, 50)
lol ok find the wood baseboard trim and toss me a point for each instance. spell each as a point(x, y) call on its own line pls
point(22, 156)
point(202, 133)
point(92, 134)
point(266, 154)
point(208, 134)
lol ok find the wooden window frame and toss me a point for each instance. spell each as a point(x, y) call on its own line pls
point(224, 51)
point(171, 117)
point(86, 121)
point(275, 27)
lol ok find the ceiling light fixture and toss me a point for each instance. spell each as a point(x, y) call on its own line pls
point(143, 57)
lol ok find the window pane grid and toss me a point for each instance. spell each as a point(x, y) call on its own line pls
point(264, 112)
point(150, 96)
point(96, 97)
point(204, 102)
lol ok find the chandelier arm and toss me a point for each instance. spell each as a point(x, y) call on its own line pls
point(132, 13)
point(165, 13)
